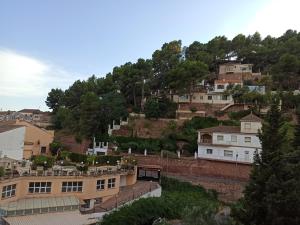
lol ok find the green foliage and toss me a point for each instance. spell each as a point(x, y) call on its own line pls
point(160, 108)
point(40, 160)
point(176, 198)
point(239, 114)
point(152, 108)
point(54, 147)
point(77, 158)
point(137, 145)
point(54, 99)
point(270, 196)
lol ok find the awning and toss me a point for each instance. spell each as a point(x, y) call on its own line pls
point(31, 205)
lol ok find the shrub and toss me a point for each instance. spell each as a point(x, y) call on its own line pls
point(238, 115)
point(77, 158)
point(177, 197)
point(54, 147)
point(40, 160)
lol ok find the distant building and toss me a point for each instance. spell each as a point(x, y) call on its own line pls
point(231, 67)
point(231, 143)
point(34, 116)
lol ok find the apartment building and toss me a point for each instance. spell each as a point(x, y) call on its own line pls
point(34, 194)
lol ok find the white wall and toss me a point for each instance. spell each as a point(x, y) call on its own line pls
point(254, 127)
point(203, 98)
point(12, 143)
point(218, 153)
point(255, 143)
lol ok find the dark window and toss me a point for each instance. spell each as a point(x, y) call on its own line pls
point(75, 186)
point(100, 184)
point(111, 183)
point(39, 187)
point(43, 150)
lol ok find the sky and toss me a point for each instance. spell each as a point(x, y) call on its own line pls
point(51, 43)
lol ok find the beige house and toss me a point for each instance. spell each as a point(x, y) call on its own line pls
point(37, 140)
point(21, 139)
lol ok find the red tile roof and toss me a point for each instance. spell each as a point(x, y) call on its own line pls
point(222, 129)
point(251, 118)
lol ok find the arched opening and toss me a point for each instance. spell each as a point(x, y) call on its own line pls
point(206, 138)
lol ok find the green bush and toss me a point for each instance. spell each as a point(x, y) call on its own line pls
point(40, 160)
point(238, 115)
point(54, 147)
point(177, 197)
point(77, 158)
point(103, 159)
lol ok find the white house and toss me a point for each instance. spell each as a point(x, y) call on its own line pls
point(12, 139)
point(231, 143)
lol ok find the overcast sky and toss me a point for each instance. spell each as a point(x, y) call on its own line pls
point(51, 43)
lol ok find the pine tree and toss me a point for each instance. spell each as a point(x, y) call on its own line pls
point(272, 195)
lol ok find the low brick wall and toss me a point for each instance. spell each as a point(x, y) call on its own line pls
point(228, 179)
point(199, 167)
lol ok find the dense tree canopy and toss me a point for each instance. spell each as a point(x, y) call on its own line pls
point(174, 68)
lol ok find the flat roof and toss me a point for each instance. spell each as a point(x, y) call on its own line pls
point(59, 218)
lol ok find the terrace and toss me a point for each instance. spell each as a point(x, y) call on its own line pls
point(69, 166)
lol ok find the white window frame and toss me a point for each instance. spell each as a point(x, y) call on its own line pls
point(9, 191)
point(220, 137)
point(71, 186)
point(234, 139)
point(247, 126)
point(228, 153)
point(111, 183)
point(247, 139)
point(39, 187)
point(100, 185)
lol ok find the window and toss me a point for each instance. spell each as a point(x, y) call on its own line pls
point(220, 137)
point(39, 187)
point(100, 184)
point(233, 138)
point(201, 97)
point(247, 125)
point(9, 191)
point(209, 151)
point(75, 186)
point(111, 183)
point(43, 150)
point(247, 139)
point(209, 97)
point(228, 153)
point(219, 86)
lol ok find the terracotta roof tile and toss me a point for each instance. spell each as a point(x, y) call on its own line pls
point(222, 129)
point(251, 118)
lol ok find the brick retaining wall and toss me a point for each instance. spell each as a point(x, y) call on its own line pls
point(199, 167)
